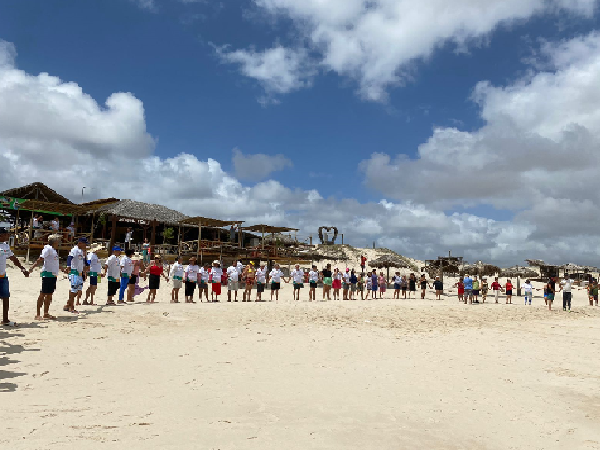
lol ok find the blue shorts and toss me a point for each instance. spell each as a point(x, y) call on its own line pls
point(397, 286)
point(76, 283)
point(4, 290)
point(374, 288)
point(93, 280)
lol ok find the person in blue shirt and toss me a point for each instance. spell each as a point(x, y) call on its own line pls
point(353, 281)
point(468, 282)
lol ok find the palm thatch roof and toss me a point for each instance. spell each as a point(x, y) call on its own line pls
point(130, 209)
point(482, 269)
point(37, 191)
point(389, 261)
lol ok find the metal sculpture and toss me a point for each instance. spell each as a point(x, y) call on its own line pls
point(324, 237)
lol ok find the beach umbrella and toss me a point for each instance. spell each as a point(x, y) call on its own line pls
point(388, 261)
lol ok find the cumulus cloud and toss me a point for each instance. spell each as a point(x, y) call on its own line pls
point(259, 166)
point(377, 43)
point(52, 131)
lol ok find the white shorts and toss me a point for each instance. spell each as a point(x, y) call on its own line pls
point(232, 285)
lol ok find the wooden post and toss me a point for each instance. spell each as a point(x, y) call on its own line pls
point(240, 236)
point(388, 273)
point(30, 236)
point(113, 233)
point(262, 230)
point(310, 239)
point(92, 232)
point(199, 238)
point(153, 238)
point(343, 244)
point(179, 241)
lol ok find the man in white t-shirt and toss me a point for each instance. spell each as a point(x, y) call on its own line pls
point(76, 262)
point(528, 288)
point(232, 282)
point(95, 270)
point(6, 253)
point(298, 276)
point(112, 271)
point(204, 275)
point(50, 269)
point(261, 281)
point(313, 279)
point(275, 277)
point(565, 286)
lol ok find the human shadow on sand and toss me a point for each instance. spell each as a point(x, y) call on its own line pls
point(7, 350)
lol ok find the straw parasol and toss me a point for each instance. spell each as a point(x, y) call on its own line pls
point(388, 261)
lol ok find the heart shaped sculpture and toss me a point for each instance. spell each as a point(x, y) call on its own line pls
point(328, 230)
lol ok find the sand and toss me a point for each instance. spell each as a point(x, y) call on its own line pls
point(384, 374)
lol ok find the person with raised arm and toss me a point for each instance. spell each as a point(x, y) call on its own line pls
point(7, 254)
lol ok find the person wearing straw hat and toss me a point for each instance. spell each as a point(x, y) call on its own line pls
point(6, 253)
point(203, 279)
point(190, 275)
point(126, 271)
point(50, 270)
point(95, 269)
point(275, 277)
point(112, 271)
point(232, 282)
point(76, 264)
point(177, 274)
point(261, 281)
point(216, 274)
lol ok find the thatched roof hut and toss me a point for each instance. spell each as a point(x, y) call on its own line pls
point(130, 209)
point(37, 191)
point(387, 261)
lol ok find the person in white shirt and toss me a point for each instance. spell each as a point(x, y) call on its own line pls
point(313, 280)
point(126, 264)
point(6, 253)
point(128, 238)
point(76, 262)
point(95, 270)
point(298, 277)
point(232, 282)
point(112, 271)
point(345, 283)
point(217, 274)
point(528, 288)
point(55, 224)
point(36, 223)
point(50, 269)
point(275, 277)
point(190, 276)
point(261, 281)
point(397, 280)
point(565, 287)
point(177, 273)
point(203, 277)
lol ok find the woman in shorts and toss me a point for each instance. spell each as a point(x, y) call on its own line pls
point(327, 277)
point(176, 274)
point(353, 283)
point(374, 280)
point(423, 283)
point(461, 289)
point(475, 290)
point(412, 285)
point(549, 295)
point(203, 280)
point(156, 271)
point(313, 282)
point(403, 285)
point(382, 282)
point(345, 284)
point(248, 276)
point(360, 285)
point(337, 283)
point(509, 292)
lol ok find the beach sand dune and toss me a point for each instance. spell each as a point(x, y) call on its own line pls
point(382, 374)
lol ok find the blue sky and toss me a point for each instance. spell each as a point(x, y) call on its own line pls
point(172, 56)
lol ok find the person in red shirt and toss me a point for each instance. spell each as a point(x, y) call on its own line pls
point(461, 289)
point(496, 287)
point(156, 271)
point(509, 289)
point(363, 262)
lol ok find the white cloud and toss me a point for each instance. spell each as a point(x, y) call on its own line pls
point(378, 42)
point(259, 166)
point(149, 5)
point(278, 70)
point(51, 131)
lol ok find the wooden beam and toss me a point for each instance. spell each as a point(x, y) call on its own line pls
point(113, 233)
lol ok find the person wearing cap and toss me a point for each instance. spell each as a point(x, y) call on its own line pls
point(6, 253)
point(76, 264)
point(177, 274)
point(50, 269)
point(203, 279)
point(345, 283)
point(112, 271)
point(190, 275)
point(438, 286)
point(95, 270)
point(261, 281)
point(397, 279)
point(275, 278)
point(126, 265)
point(216, 274)
point(298, 276)
point(232, 283)
point(313, 281)
point(155, 271)
point(249, 277)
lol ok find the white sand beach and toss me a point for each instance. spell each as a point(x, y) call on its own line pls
point(383, 374)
